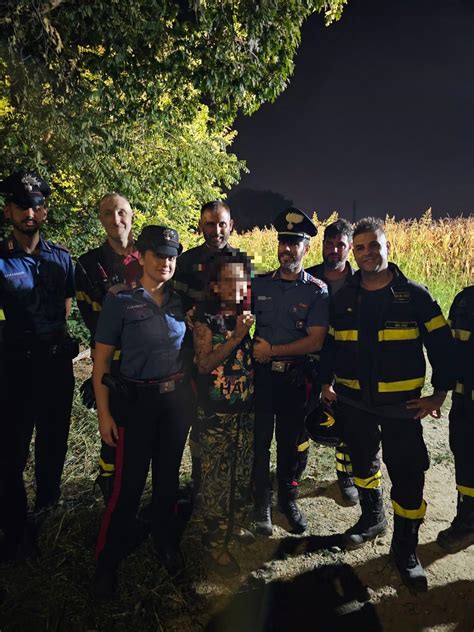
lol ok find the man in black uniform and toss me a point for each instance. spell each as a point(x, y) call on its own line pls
point(335, 270)
point(460, 534)
point(191, 282)
point(115, 261)
point(290, 307)
point(373, 363)
point(36, 289)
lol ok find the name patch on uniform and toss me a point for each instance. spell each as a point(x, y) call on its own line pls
point(401, 296)
point(134, 307)
point(399, 324)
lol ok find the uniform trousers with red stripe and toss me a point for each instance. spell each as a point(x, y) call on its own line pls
point(403, 448)
point(153, 427)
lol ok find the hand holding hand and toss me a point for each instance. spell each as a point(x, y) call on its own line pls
point(262, 350)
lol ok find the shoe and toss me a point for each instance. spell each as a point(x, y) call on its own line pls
point(263, 515)
point(105, 583)
point(460, 534)
point(172, 559)
point(403, 552)
point(243, 536)
point(348, 489)
point(294, 515)
point(371, 523)
point(224, 563)
point(106, 486)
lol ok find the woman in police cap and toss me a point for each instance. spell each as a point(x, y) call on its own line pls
point(145, 412)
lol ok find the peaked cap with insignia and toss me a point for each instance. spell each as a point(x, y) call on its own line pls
point(25, 189)
point(161, 240)
point(294, 225)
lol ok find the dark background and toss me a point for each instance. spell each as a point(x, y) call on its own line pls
point(379, 111)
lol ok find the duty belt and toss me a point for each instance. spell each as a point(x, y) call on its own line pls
point(281, 366)
point(164, 385)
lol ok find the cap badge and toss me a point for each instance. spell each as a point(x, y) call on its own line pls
point(29, 182)
point(169, 235)
point(293, 218)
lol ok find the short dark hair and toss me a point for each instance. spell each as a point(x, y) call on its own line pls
point(340, 227)
point(214, 205)
point(369, 225)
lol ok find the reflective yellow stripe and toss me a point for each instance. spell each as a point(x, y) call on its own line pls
point(346, 334)
point(340, 467)
point(436, 323)
point(106, 467)
point(82, 296)
point(303, 446)
point(465, 491)
point(411, 514)
point(410, 333)
point(349, 383)
point(461, 334)
point(331, 331)
point(373, 482)
point(402, 385)
point(343, 456)
point(2, 314)
point(459, 389)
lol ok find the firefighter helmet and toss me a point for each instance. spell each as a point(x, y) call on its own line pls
point(322, 426)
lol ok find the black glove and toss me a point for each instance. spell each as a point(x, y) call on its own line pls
point(87, 394)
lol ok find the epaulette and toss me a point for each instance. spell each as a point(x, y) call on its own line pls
point(311, 279)
point(118, 288)
point(58, 246)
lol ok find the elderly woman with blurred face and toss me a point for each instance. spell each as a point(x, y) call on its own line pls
point(225, 415)
point(145, 411)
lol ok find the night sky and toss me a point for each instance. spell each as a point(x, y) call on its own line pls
point(380, 110)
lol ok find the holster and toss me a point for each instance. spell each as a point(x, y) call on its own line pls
point(117, 385)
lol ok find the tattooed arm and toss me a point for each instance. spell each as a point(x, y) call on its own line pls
point(207, 358)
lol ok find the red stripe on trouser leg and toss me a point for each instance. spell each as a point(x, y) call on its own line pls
point(104, 526)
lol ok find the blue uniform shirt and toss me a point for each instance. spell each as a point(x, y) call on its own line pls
point(33, 288)
point(285, 309)
point(149, 335)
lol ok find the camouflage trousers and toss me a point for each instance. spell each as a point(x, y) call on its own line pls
point(227, 459)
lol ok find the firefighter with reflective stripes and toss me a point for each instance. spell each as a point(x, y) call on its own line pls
point(291, 310)
point(335, 270)
point(144, 412)
point(460, 534)
point(373, 364)
point(115, 261)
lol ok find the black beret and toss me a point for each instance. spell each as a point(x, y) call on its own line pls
point(25, 189)
point(159, 239)
point(294, 224)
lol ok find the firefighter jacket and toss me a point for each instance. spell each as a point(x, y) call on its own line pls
point(461, 319)
point(407, 319)
point(96, 272)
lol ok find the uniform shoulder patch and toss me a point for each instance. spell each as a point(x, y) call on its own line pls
point(311, 279)
point(118, 288)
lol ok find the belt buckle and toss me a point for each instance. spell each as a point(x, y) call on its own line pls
point(279, 367)
point(167, 387)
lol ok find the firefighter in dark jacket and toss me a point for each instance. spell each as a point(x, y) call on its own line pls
point(335, 270)
point(373, 364)
point(115, 261)
point(460, 534)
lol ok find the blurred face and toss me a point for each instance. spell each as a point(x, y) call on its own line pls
point(371, 251)
point(336, 249)
point(232, 287)
point(116, 217)
point(157, 268)
point(290, 255)
point(216, 227)
point(26, 220)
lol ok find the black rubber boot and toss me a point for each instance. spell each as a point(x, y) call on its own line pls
point(460, 534)
point(263, 514)
point(348, 489)
point(106, 486)
point(105, 583)
point(403, 551)
point(372, 521)
point(287, 505)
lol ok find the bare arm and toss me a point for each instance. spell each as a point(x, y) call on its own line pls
point(263, 351)
point(102, 363)
point(207, 358)
point(68, 305)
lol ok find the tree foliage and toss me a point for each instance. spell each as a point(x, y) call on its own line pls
point(141, 95)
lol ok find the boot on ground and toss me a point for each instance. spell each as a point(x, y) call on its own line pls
point(263, 514)
point(403, 551)
point(372, 521)
point(460, 534)
point(287, 505)
point(348, 489)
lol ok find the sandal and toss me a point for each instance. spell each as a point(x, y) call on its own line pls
point(227, 568)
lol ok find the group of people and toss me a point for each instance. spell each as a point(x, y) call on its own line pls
point(197, 340)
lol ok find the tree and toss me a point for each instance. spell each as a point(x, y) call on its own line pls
point(140, 94)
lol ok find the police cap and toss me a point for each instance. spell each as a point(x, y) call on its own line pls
point(161, 240)
point(294, 225)
point(25, 189)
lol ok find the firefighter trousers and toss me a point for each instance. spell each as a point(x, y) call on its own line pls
point(461, 440)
